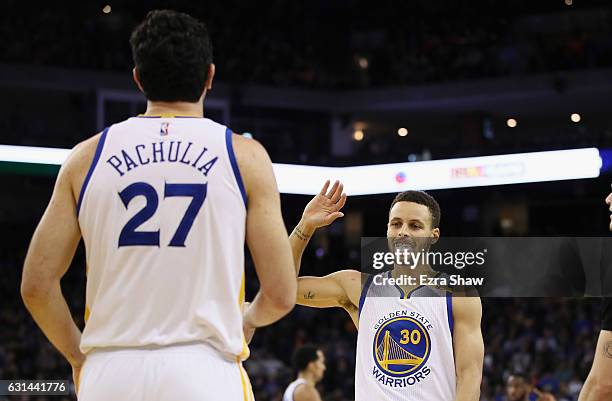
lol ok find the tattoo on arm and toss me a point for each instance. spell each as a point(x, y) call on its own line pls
point(310, 295)
point(300, 234)
point(608, 349)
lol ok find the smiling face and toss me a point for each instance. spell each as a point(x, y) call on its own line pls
point(410, 227)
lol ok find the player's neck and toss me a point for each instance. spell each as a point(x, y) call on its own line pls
point(309, 377)
point(183, 109)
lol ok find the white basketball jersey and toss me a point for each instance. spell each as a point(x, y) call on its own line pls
point(404, 345)
point(162, 213)
point(288, 395)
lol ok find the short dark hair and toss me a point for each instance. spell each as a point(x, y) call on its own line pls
point(422, 198)
point(303, 356)
point(172, 52)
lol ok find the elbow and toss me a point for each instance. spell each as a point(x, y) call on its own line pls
point(282, 298)
point(32, 292)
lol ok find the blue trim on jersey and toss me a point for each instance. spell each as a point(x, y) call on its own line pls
point(449, 311)
point(232, 157)
point(364, 294)
point(94, 162)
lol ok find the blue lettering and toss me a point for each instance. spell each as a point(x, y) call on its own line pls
point(139, 156)
point(398, 383)
point(116, 164)
point(199, 157)
point(159, 151)
point(174, 158)
point(206, 167)
point(128, 160)
point(185, 154)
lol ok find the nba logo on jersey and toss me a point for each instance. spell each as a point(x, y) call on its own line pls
point(163, 130)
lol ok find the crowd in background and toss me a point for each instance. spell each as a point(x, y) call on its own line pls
point(344, 44)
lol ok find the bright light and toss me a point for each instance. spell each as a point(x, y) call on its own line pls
point(107, 9)
point(568, 2)
point(383, 178)
point(363, 63)
point(247, 135)
point(511, 122)
point(358, 135)
point(402, 132)
point(575, 117)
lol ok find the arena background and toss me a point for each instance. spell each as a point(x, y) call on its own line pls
point(450, 73)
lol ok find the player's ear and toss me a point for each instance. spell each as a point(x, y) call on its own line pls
point(435, 235)
point(210, 74)
point(137, 79)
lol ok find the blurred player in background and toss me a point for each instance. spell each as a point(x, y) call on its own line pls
point(598, 385)
point(519, 389)
point(309, 362)
point(414, 342)
point(160, 201)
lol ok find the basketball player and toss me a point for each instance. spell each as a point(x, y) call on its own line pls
point(309, 361)
point(519, 389)
point(161, 203)
point(598, 385)
point(438, 334)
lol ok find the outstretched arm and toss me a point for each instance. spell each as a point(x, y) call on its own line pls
point(321, 211)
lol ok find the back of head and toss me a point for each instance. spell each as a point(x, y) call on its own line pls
point(303, 356)
point(172, 52)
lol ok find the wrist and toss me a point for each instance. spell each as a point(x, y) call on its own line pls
point(306, 228)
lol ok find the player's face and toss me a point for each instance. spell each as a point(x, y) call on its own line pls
point(410, 227)
point(516, 389)
point(609, 203)
point(319, 366)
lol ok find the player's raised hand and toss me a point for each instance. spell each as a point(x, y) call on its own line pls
point(325, 207)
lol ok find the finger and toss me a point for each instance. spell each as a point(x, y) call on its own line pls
point(336, 197)
point(333, 189)
point(332, 217)
point(324, 189)
point(340, 204)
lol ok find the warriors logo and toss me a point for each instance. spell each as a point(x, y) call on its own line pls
point(401, 347)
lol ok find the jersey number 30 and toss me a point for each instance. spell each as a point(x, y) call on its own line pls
point(129, 236)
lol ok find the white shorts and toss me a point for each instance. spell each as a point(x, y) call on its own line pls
point(194, 372)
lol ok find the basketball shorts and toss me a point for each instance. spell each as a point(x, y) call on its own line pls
point(606, 314)
point(194, 372)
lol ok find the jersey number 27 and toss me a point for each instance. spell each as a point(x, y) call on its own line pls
point(129, 236)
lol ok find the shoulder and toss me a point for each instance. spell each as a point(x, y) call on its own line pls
point(77, 164)
point(305, 392)
point(248, 150)
point(466, 307)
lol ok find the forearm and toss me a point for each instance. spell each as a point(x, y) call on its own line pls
point(299, 238)
point(264, 311)
point(50, 311)
point(468, 384)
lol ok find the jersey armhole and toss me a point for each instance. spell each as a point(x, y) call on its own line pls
point(92, 167)
point(234, 163)
point(364, 294)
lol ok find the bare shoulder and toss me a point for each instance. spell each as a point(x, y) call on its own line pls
point(306, 392)
point(467, 308)
point(77, 164)
point(248, 151)
point(253, 161)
